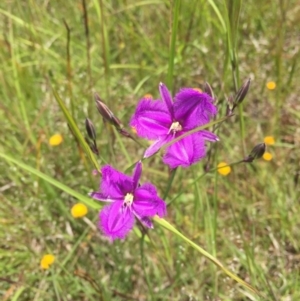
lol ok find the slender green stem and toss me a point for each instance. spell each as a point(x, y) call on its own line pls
point(213, 259)
point(144, 267)
point(195, 130)
point(170, 181)
point(105, 48)
point(174, 28)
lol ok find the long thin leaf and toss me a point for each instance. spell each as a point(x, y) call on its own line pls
point(76, 131)
point(84, 199)
point(162, 222)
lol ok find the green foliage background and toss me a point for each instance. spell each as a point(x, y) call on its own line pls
point(249, 219)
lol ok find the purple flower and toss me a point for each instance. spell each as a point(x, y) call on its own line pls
point(128, 199)
point(165, 120)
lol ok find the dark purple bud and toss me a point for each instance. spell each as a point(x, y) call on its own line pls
point(242, 92)
point(90, 129)
point(124, 133)
point(106, 113)
point(92, 146)
point(208, 90)
point(256, 153)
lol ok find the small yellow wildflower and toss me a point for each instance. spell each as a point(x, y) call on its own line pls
point(271, 85)
point(47, 261)
point(269, 140)
point(79, 210)
point(133, 129)
point(148, 96)
point(267, 156)
point(223, 169)
point(55, 140)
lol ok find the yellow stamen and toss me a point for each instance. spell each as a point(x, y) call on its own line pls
point(128, 199)
point(175, 127)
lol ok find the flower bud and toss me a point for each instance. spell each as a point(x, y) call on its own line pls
point(242, 92)
point(90, 129)
point(256, 153)
point(124, 133)
point(92, 145)
point(106, 113)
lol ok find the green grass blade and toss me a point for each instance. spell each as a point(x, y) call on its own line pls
point(168, 226)
point(219, 15)
point(84, 199)
point(76, 131)
point(173, 44)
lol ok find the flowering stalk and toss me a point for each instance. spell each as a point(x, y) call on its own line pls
point(90, 129)
point(94, 205)
point(197, 129)
point(109, 116)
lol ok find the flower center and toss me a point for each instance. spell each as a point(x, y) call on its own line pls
point(175, 127)
point(128, 199)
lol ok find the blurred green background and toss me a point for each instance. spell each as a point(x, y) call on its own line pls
point(121, 50)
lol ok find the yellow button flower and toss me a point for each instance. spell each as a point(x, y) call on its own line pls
point(148, 96)
point(47, 261)
point(198, 90)
point(271, 85)
point(133, 129)
point(269, 140)
point(55, 140)
point(267, 156)
point(79, 210)
point(224, 169)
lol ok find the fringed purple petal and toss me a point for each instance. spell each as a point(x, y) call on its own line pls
point(116, 221)
point(193, 108)
point(185, 152)
point(155, 147)
point(146, 221)
point(104, 198)
point(137, 174)
point(147, 203)
point(167, 98)
point(151, 119)
point(208, 136)
point(114, 184)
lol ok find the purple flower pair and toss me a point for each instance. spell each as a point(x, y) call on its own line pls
point(163, 120)
point(128, 199)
